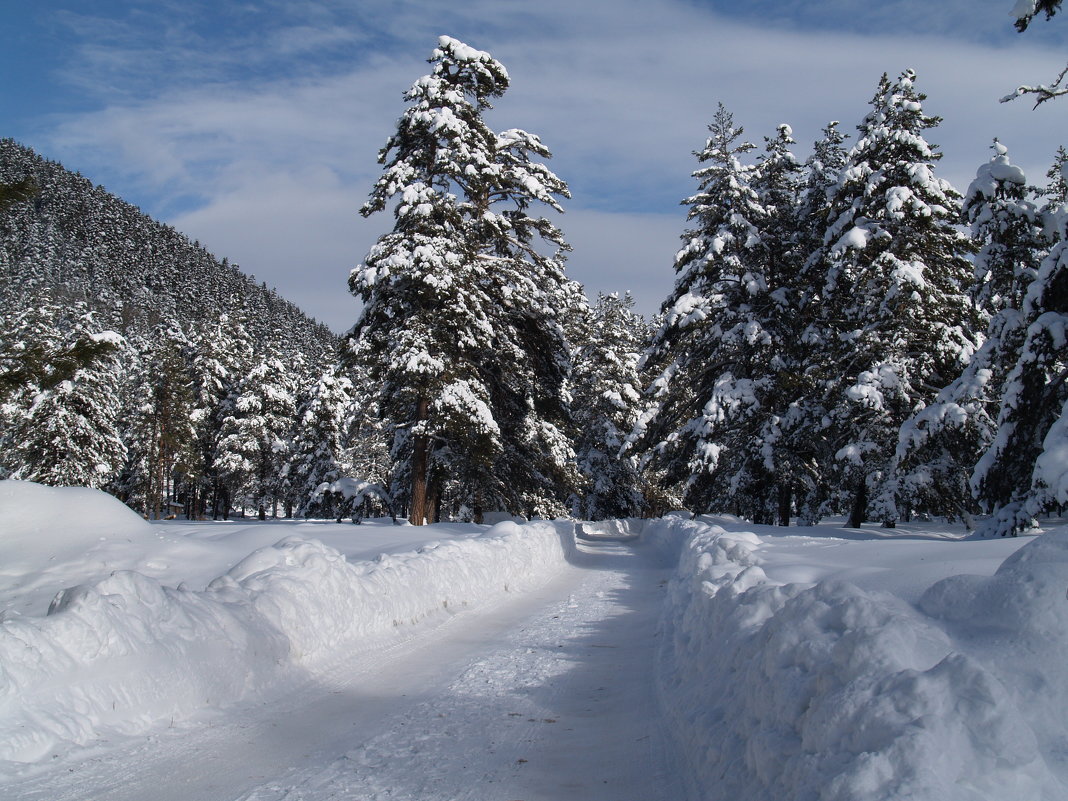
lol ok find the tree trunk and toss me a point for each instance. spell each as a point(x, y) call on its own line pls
point(860, 504)
point(420, 460)
point(786, 502)
point(434, 502)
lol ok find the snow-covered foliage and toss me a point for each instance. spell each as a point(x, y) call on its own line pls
point(63, 411)
point(319, 440)
point(607, 401)
point(162, 455)
point(462, 327)
point(1021, 475)
point(940, 445)
point(716, 351)
point(1024, 12)
point(894, 322)
point(254, 444)
point(190, 324)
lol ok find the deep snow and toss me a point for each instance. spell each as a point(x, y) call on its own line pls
point(276, 661)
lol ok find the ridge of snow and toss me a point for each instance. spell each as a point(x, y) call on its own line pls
point(825, 690)
point(125, 654)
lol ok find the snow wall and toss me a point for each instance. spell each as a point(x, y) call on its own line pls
point(127, 654)
point(825, 692)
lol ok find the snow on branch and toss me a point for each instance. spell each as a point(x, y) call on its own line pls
point(1043, 92)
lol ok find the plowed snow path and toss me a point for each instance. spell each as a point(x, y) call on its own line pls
point(548, 695)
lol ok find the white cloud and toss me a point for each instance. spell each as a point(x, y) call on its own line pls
point(271, 171)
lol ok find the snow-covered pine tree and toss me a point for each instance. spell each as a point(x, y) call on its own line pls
point(941, 444)
point(69, 434)
point(608, 399)
point(161, 437)
point(1022, 474)
point(1056, 191)
point(30, 347)
point(254, 444)
point(713, 353)
point(460, 327)
point(802, 424)
point(897, 323)
point(223, 354)
point(778, 183)
point(319, 441)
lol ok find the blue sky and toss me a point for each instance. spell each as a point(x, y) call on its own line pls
point(253, 125)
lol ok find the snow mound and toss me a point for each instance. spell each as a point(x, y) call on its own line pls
point(826, 691)
point(44, 524)
point(126, 654)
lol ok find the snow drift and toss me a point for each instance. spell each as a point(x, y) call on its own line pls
point(125, 654)
point(825, 691)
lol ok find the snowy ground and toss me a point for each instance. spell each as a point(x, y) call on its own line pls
point(512, 663)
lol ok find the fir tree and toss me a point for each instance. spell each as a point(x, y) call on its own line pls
point(801, 424)
point(895, 319)
point(222, 356)
point(161, 439)
point(940, 445)
point(319, 442)
point(69, 434)
point(714, 352)
point(608, 400)
point(1021, 474)
point(461, 323)
point(254, 444)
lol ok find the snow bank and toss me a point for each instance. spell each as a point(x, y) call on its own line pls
point(42, 524)
point(826, 691)
point(126, 653)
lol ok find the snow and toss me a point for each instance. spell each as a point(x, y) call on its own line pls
point(855, 238)
point(122, 653)
point(783, 680)
point(283, 660)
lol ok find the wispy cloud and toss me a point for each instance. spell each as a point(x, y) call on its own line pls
point(259, 135)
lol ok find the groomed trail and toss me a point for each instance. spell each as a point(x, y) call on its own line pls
point(547, 695)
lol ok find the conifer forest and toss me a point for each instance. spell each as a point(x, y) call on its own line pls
point(848, 334)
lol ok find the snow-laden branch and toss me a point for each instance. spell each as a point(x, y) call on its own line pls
point(1042, 91)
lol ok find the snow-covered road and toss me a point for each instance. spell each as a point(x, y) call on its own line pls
point(547, 695)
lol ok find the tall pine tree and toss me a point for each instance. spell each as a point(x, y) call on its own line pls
point(715, 352)
point(895, 317)
point(461, 328)
point(940, 445)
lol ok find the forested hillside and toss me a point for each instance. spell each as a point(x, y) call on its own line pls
point(131, 355)
point(77, 241)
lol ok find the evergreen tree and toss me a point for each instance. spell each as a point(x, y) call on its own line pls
point(222, 356)
point(1056, 191)
point(941, 444)
point(608, 400)
point(69, 434)
point(895, 321)
point(254, 444)
point(161, 440)
point(776, 446)
point(803, 433)
point(718, 344)
point(319, 441)
point(1021, 474)
point(461, 323)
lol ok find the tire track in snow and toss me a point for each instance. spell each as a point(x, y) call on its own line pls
point(563, 708)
